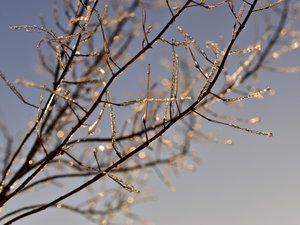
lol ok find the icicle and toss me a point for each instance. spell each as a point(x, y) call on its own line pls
point(257, 94)
point(123, 184)
point(92, 128)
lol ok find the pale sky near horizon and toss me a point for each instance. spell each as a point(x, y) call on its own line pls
point(256, 181)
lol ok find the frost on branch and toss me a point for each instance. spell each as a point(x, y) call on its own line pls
point(127, 94)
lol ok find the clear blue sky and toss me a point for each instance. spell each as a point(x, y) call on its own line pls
point(253, 182)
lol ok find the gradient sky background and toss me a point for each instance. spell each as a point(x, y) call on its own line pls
point(256, 181)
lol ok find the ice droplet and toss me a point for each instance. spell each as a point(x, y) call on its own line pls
point(101, 70)
point(60, 134)
point(275, 55)
point(130, 200)
point(142, 155)
point(228, 142)
point(102, 194)
point(101, 148)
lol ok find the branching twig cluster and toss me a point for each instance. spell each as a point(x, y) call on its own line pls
point(92, 128)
